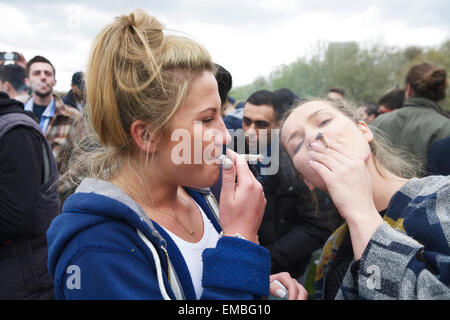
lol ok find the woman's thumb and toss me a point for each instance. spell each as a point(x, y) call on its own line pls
point(228, 177)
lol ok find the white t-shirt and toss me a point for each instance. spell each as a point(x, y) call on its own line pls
point(192, 252)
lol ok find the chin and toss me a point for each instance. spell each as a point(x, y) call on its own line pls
point(315, 181)
point(207, 177)
point(212, 176)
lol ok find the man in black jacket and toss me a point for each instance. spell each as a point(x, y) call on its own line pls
point(28, 202)
point(76, 95)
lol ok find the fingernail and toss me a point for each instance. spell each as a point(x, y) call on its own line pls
point(227, 164)
point(281, 293)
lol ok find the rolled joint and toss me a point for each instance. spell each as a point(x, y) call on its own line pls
point(247, 157)
point(322, 139)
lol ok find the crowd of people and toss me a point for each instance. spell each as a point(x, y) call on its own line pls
point(93, 205)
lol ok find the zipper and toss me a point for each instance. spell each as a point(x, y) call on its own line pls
point(168, 263)
point(172, 278)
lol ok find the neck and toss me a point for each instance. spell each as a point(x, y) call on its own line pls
point(384, 186)
point(154, 194)
point(43, 101)
point(12, 94)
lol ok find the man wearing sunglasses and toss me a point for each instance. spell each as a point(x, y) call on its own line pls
point(259, 120)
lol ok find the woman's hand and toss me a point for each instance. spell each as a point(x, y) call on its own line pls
point(242, 202)
point(347, 179)
point(295, 289)
point(349, 184)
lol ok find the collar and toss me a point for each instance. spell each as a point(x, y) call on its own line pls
point(48, 113)
point(423, 103)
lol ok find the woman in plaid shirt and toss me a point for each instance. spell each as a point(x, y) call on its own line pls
point(398, 225)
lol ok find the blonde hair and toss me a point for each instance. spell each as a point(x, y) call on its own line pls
point(399, 162)
point(135, 71)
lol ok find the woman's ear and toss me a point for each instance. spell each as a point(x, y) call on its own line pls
point(140, 133)
point(368, 134)
point(409, 92)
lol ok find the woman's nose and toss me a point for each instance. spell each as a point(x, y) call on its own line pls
point(312, 137)
point(226, 137)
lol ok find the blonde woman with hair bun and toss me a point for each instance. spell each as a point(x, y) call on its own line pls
point(144, 226)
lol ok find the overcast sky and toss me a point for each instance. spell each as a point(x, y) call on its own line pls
point(248, 37)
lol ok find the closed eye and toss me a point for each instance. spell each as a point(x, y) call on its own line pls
point(324, 122)
point(297, 148)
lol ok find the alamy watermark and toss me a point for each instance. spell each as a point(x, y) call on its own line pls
point(373, 282)
point(74, 279)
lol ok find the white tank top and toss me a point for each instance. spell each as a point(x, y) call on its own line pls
point(192, 252)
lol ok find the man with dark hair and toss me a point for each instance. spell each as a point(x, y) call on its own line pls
point(28, 203)
point(77, 94)
point(260, 114)
point(13, 81)
point(59, 122)
point(367, 112)
point(392, 100)
point(224, 83)
point(336, 93)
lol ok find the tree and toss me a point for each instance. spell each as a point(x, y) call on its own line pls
point(366, 72)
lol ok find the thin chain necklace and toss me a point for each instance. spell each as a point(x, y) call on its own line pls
point(191, 230)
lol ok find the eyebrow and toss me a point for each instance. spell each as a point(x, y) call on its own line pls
point(312, 115)
point(208, 109)
point(212, 109)
point(42, 70)
point(257, 120)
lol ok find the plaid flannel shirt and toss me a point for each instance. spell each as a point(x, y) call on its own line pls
point(60, 126)
point(408, 257)
point(63, 130)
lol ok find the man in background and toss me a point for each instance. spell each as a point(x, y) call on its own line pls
point(13, 81)
point(61, 124)
point(28, 203)
point(367, 112)
point(392, 100)
point(77, 94)
point(336, 93)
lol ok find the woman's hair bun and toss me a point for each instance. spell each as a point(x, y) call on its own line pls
point(140, 21)
point(428, 81)
point(436, 77)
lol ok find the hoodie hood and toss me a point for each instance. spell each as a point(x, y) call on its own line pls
point(80, 212)
point(8, 105)
point(5, 101)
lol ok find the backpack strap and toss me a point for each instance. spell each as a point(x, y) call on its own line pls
point(17, 118)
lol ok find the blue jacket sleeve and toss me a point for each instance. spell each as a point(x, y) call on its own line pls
point(107, 273)
point(235, 269)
